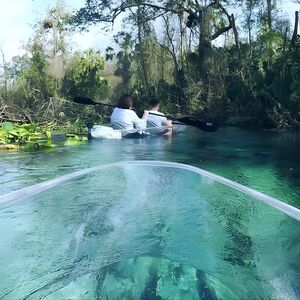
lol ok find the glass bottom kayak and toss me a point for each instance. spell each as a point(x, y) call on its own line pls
point(147, 230)
point(106, 132)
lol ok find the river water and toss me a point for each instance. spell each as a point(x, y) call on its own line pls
point(267, 161)
point(142, 232)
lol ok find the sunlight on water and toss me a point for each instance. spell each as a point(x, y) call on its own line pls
point(139, 232)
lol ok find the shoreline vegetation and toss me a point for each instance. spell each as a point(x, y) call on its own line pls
point(31, 137)
point(196, 58)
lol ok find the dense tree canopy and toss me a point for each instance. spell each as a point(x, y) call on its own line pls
point(193, 55)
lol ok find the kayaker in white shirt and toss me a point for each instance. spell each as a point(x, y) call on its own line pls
point(123, 117)
point(154, 120)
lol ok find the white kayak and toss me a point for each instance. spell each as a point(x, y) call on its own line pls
point(106, 132)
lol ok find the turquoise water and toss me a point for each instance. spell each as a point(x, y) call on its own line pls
point(140, 232)
point(266, 161)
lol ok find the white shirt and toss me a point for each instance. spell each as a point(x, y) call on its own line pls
point(154, 120)
point(126, 118)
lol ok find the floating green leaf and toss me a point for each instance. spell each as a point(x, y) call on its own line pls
point(7, 126)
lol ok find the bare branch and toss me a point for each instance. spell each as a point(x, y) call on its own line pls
point(224, 29)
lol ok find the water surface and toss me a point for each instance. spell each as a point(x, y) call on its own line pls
point(140, 232)
point(268, 161)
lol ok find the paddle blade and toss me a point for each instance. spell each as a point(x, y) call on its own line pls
point(84, 100)
point(205, 126)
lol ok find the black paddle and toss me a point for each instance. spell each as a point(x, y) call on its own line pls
point(205, 126)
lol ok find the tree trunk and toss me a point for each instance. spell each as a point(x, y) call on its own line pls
point(5, 77)
point(236, 35)
point(295, 33)
point(172, 51)
point(142, 61)
point(269, 14)
point(204, 48)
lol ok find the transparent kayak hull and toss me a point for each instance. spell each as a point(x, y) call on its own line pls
point(138, 230)
point(106, 132)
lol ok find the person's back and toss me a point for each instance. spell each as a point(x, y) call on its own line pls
point(156, 118)
point(125, 118)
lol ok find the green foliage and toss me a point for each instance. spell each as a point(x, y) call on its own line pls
point(253, 80)
point(21, 134)
point(75, 140)
point(31, 137)
point(36, 79)
point(84, 76)
point(270, 44)
point(18, 65)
